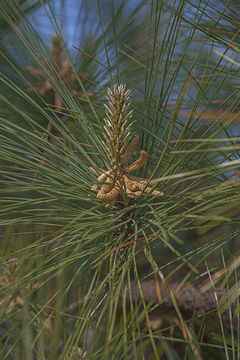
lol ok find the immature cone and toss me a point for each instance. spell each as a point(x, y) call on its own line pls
point(116, 131)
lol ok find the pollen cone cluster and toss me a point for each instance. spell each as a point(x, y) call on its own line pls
point(117, 180)
point(10, 295)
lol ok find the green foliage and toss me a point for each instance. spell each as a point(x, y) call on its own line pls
point(149, 277)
